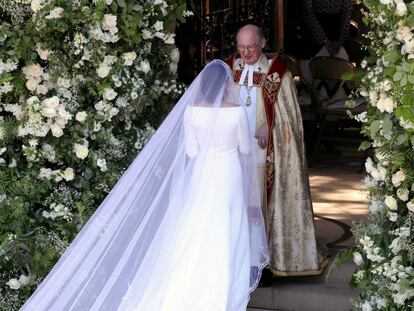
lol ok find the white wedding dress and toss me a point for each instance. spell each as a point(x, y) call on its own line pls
point(211, 252)
point(182, 230)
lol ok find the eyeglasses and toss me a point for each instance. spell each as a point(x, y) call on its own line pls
point(249, 48)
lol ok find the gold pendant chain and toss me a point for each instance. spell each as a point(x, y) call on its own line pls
point(248, 99)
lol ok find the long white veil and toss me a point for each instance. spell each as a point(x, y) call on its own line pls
point(127, 241)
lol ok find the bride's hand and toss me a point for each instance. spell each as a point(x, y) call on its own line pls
point(262, 136)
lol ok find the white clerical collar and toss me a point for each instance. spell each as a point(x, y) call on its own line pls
point(248, 71)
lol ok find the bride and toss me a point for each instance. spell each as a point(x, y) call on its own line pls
point(182, 230)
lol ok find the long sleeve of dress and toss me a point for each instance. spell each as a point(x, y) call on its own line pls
point(190, 139)
point(244, 133)
point(345, 18)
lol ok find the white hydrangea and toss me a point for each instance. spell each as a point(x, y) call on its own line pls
point(101, 163)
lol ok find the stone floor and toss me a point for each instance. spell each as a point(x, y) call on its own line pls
point(338, 200)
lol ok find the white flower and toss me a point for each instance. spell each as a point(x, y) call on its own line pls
point(144, 66)
point(43, 54)
point(24, 279)
point(146, 34)
point(386, 103)
point(108, 2)
point(158, 26)
point(109, 94)
point(13, 163)
point(129, 58)
point(410, 206)
point(45, 173)
point(55, 13)
point(398, 178)
point(109, 22)
point(36, 5)
point(81, 116)
point(402, 194)
point(175, 55)
point(169, 39)
point(100, 105)
point(393, 216)
point(56, 130)
point(32, 84)
point(369, 165)
point(101, 163)
point(110, 60)
point(51, 102)
point(42, 89)
point(401, 9)
point(187, 13)
point(13, 284)
point(49, 112)
point(81, 151)
point(103, 70)
point(68, 174)
point(358, 259)
point(391, 202)
point(366, 306)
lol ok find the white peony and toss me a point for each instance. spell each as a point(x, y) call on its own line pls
point(410, 206)
point(109, 94)
point(81, 151)
point(68, 174)
point(401, 9)
point(55, 13)
point(13, 284)
point(403, 194)
point(34, 70)
point(81, 116)
point(56, 130)
point(398, 178)
point(391, 202)
point(144, 66)
point(103, 70)
point(358, 259)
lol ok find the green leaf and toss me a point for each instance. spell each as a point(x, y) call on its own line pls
point(404, 81)
point(411, 79)
point(402, 138)
point(364, 145)
point(387, 125)
point(412, 140)
point(397, 76)
point(410, 20)
point(392, 56)
point(121, 3)
point(374, 127)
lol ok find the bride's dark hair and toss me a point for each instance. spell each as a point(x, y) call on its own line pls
point(213, 77)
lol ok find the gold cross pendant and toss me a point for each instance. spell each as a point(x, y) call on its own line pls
point(248, 101)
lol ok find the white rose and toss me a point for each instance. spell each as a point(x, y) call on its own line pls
point(36, 5)
point(144, 66)
point(32, 84)
point(49, 112)
point(129, 58)
point(109, 22)
point(366, 306)
point(55, 13)
point(358, 259)
point(81, 151)
point(43, 54)
point(146, 34)
point(51, 102)
point(56, 130)
point(68, 174)
point(401, 9)
point(398, 178)
point(391, 202)
point(42, 89)
point(81, 116)
point(45, 173)
point(100, 105)
point(34, 70)
point(403, 194)
point(103, 70)
point(410, 206)
point(109, 94)
point(13, 284)
point(24, 279)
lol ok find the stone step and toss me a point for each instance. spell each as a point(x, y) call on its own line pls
point(312, 293)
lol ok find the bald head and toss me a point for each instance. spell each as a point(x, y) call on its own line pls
point(250, 42)
point(251, 28)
